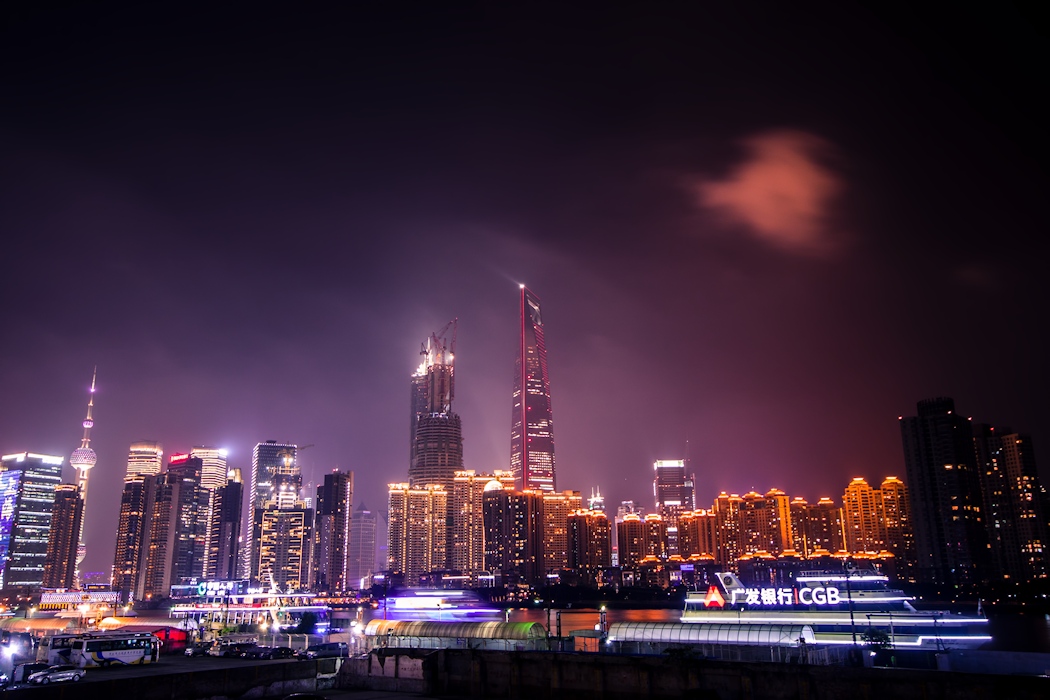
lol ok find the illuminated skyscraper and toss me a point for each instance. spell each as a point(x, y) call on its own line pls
point(862, 517)
point(176, 528)
point(468, 522)
point(437, 442)
point(361, 551)
point(896, 518)
point(276, 485)
point(224, 530)
point(672, 488)
point(285, 537)
point(213, 478)
point(145, 458)
point(513, 534)
point(418, 531)
point(630, 536)
point(590, 544)
point(27, 496)
point(136, 503)
point(532, 427)
point(83, 459)
point(944, 488)
point(334, 509)
point(555, 529)
point(61, 561)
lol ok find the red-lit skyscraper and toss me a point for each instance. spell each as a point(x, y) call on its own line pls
point(532, 428)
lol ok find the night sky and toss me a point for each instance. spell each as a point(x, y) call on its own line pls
point(759, 234)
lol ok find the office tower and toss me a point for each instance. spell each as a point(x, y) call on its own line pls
point(418, 531)
point(334, 510)
point(697, 534)
point(896, 522)
point(532, 427)
point(27, 495)
point(623, 509)
point(590, 544)
point(468, 518)
point(224, 530)
point(83, 459)
point(727, 524)
point(944, 488)
point(824, 527)
point(276, 484)
point(630, 534)
point(285, 538)
point(213, 477)
point(437, 443)
point(176, 530)
point(1014, 504)
point(672, 488)
point(361, 551)
point(129, 557)
point(862, 517)
point(513, 536)
point(60, 564)
point(145, 458)
point(555, 529)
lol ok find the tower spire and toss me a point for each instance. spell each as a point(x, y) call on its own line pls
point(83, 459)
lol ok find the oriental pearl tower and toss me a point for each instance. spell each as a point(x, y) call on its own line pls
point(82, 459)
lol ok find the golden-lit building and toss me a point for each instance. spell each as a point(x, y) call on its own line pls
point(285, 541)
point(418, 532)
point(468, 518)
point(590, 543)
point(555, 528)
point(60, 561)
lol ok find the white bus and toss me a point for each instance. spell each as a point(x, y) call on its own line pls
point(91, 650)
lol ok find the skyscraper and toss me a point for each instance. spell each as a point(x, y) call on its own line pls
point(224, 530)
point(468, 518)
point(61, 561)
point(555, 529)
point(437, 442)
point(334, 510)
point(944, 488)
point(213, 478)
point(136, 504)
point(418, 530)
point(513, 534)
point(361, 551)
point(176, 530)
point(276, 485)
point(672, 488)
point(863, 518)
point(145, 458)
point(27, 496)
point(83, 459)
point(590, 544)
point(532, 425)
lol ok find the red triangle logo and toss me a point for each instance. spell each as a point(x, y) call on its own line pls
point(714, 598)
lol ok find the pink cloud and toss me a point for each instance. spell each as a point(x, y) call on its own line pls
point(780, 193)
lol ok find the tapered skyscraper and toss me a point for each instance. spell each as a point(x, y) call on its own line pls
point(83, 459)
point(532, 428)
point(437, 442)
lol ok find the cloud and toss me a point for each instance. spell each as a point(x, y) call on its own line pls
point(781, 193)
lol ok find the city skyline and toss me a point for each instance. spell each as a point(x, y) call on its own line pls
point(268, 237)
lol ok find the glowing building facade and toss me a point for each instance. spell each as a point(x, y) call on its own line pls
point(60, 564)
point(418, 530)
point(27, 496)
point(532, 425)
point(361, 549)
point(468, 518)
point(145, 458)
point(334, 512)
point(276, 484)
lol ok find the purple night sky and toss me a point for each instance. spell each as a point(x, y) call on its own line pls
point(764, 233)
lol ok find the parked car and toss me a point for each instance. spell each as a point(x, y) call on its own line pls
point(22, 672)
point(280, 653)
point(197, 649)
point(230, 650)
point(255, 652)
point(54, 674)
point(320, 651)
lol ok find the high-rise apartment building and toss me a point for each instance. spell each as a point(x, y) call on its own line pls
point(1014, 504)
point(727, 524)
point(696, 534)
point(145, 458)
point(27, 496)
point(532, 425)
point(60, 563)
point(513, 534)
point(334, 511)
point(862, 517)
point(590, 544)
point(944, 488)
point(896, 522)
point(555, 529)
point(468, 518)
point(361, 551)
point(824, 527)
point(418, 530)
point(631, 536)
point(285, 539)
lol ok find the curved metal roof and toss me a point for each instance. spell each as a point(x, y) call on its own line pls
point(473, 630)
point(672, 632)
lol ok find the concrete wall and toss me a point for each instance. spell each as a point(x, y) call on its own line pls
point(548, 676)
point(245, 682)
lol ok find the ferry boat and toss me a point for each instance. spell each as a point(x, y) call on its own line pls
point(437, 604)
point(844, 607)
point(219, 605)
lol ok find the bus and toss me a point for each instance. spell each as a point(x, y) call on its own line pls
point(104, 649)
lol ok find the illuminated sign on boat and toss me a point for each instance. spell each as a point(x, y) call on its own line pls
point(818, 595)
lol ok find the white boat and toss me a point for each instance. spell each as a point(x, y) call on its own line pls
point(844, 607)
